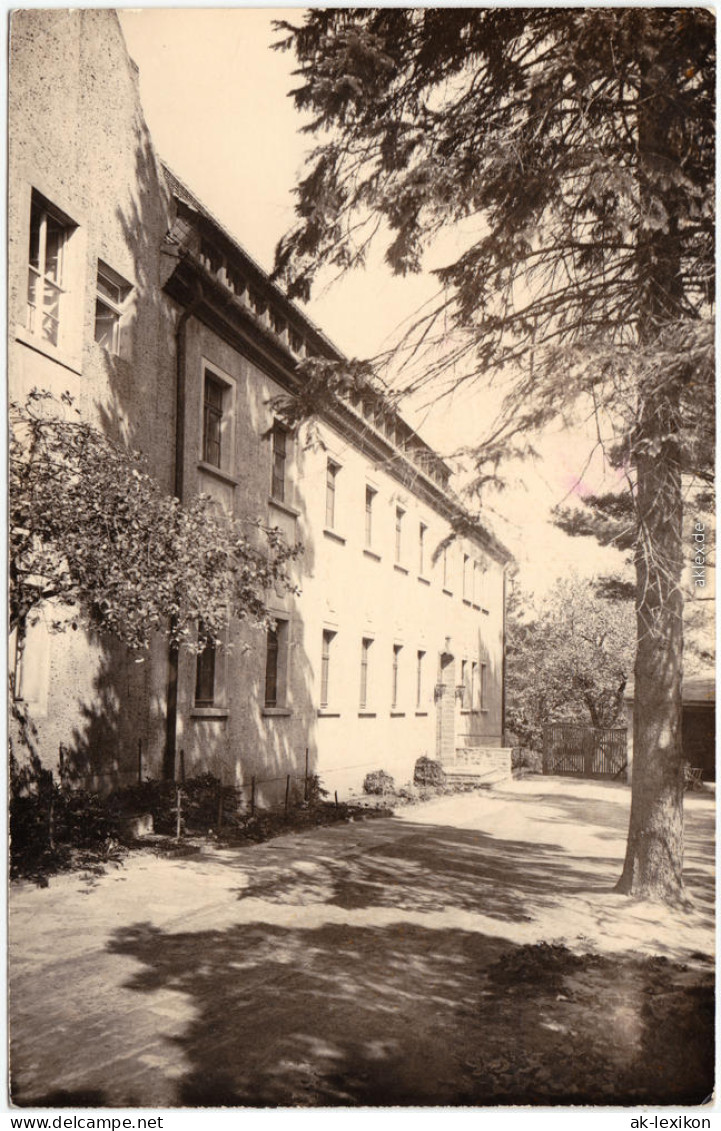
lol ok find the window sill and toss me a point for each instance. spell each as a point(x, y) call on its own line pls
point(285, 507)
point(421, 714)
point(275, 712)
point(467, 602)
point(424, 580)
point(324, 714)
point(372, 554)
point(485, 612)
point(334, 537)
point(218, 473)
point(367, 715)
point(398, 714)
point(209, 712)
point(55, 353)
point(476, 607)
point(470, 711)
point(448, 592)
point(400, 568)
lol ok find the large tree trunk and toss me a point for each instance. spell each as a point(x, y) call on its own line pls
point(654, 854)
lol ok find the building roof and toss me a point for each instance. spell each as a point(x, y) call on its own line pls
point(416, 452)
point(696, 689)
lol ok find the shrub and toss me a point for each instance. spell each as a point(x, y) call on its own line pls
point(48, 822)
point(378, 782)
point(428, 772)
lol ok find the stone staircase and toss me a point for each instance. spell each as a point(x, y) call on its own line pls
point(478, 764)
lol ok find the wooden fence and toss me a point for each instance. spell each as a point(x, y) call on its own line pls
point(588, 752)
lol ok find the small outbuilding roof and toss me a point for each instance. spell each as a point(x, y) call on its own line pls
point(696, 689)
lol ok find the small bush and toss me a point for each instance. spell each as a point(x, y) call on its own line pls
point(428, 772)
point(314, 791)
point(378, 782)
point(50, 824)
point(200, 802)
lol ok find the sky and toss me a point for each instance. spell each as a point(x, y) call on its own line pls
point(216, 101)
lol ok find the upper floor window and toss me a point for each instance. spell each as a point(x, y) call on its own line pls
point(370, 496)
point(479, 594)
point(213, 395)
point(112, 291)
point(279, 438)
point(399, 533)
point(468, 577)
point(49, 235)
point(422, 548)
point(331, 475)
point(482, 690)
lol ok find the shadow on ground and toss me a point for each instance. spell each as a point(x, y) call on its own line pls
point(410, 1016)
point(396, 963)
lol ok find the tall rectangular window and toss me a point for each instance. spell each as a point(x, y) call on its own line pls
point(212, 420)
point(365, 656)
point(399, 533)
point(331, 475)
point(271, 668)
point(49, 234)
point(479, 596)
point(397, 649)
point(422, 548)
point(370, 496)
point(112, 291)
point(278, 456)
point(325, 667)
point(205, 676)
point(464, 684)
point(482, 690)
point(474, 686)
point(276, 651)
point(420, 656)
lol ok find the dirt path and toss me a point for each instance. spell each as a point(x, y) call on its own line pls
point(468, 952)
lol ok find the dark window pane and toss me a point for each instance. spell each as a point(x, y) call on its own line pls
point(106, 323)
point(36, 216)
point(205, 676)
point(279, 457)
point(212, 421)
point(271, 668)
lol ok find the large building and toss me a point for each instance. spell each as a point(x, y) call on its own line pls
point(126, 291)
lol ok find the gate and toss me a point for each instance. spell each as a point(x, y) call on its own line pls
point(588, 752)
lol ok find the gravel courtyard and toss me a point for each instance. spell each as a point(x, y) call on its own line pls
point(468, 951)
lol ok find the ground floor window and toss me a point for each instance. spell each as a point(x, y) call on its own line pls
point(205, 676)
point(325, 663)
point(276, 664)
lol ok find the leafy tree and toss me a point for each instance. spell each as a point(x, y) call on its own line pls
point(92, 531)
point(568, 660)
point(580, 143)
